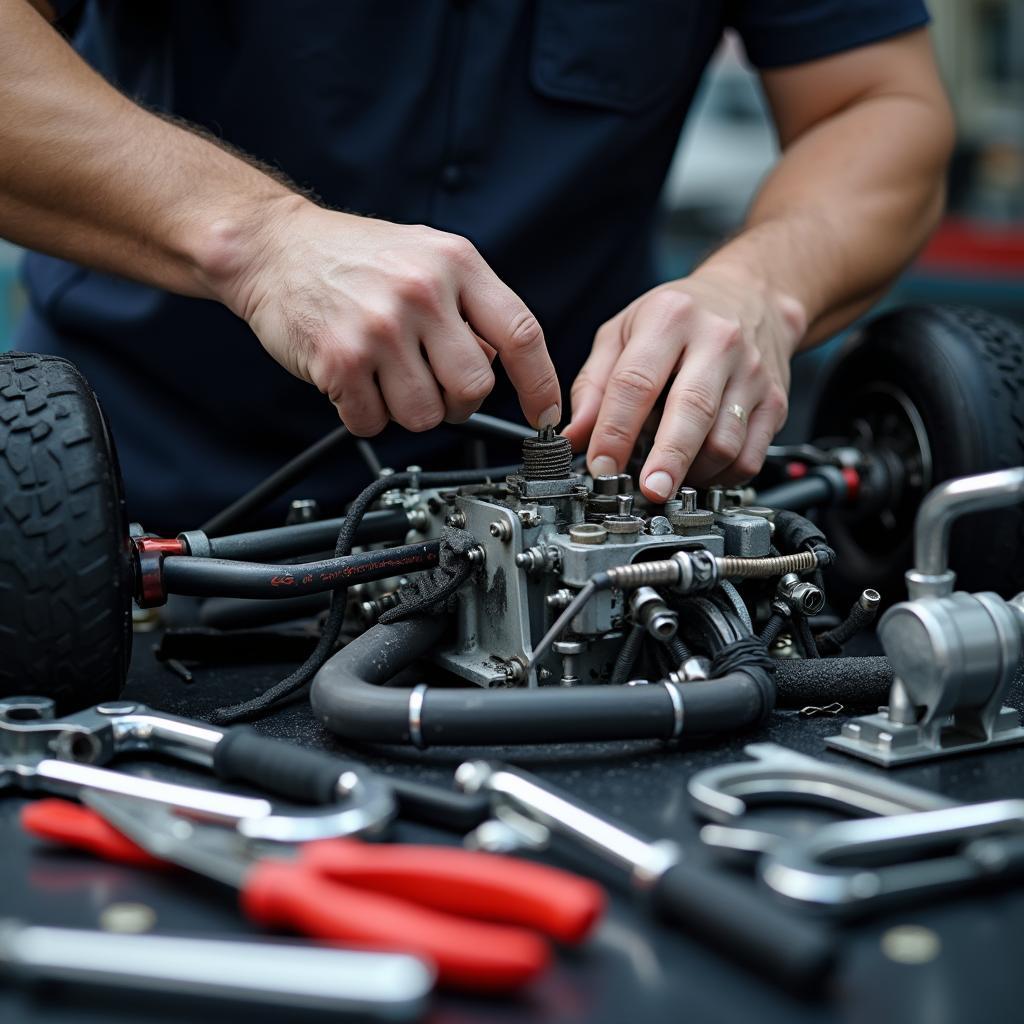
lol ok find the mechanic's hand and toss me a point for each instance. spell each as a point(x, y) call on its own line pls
point(728, 342)
point(390, 321)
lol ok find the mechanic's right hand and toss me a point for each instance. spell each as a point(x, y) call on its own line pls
point(389, 321)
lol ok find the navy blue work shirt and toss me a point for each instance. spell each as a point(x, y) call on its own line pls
point(542, 130)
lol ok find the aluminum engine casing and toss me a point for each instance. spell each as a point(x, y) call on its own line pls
point(504, 613)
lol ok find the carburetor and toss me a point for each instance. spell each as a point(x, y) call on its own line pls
point(541, 534)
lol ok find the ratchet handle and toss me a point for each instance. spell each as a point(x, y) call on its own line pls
point(486, 886)
point(467, 954)
point(746, 926)
point(306, 776)
point(311, 776)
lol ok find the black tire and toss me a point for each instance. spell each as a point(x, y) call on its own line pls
point(65, 583)
point(962, 370)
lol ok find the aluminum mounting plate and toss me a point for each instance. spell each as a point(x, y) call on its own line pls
point(876, 739)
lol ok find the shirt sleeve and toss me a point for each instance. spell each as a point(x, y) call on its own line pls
point(62, 8)
point(780, 32)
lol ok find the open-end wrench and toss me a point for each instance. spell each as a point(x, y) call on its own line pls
point(779, 775)
point(719, 910)
point(61, 755)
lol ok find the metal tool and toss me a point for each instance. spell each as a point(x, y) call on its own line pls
point(717, 909)
point(779, 775)
point(41, 752)
point(443, 903)
point(383, 986)
point(954, 655)
point(852, 867)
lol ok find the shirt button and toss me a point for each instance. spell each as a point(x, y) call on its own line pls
point(453, 176)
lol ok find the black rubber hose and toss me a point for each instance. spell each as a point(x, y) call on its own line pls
point(277, 483)
point(804, 636)
point(217, 577)
point(861, 616)
point(242, 612)
point(348, 697)
point(492, 426)
point(304, 538)
point(824, 485)
point(853, 682)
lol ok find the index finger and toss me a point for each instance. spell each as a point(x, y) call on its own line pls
point(502, 320)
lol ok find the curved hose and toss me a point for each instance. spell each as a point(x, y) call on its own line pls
point(348, 697)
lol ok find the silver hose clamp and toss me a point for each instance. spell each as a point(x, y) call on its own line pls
point(677, 708)
point(416, 697)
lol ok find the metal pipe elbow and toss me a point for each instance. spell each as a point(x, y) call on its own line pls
point(931, 575)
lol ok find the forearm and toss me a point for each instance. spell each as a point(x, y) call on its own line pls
point(88, 175)
point(851, 201)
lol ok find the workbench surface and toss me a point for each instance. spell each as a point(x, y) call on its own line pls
point(633, 970)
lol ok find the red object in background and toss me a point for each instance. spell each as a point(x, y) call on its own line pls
point(965, 246)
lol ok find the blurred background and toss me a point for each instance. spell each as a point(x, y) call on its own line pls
point(977, 256)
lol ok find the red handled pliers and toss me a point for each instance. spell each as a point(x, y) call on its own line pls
point(479, 918)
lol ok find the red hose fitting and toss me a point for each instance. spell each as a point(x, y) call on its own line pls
point(150, 553)
point(852, 478)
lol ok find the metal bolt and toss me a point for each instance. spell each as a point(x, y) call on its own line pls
point(418, 519)
point(658, 526)
point(476, 555)
point(570, 651)
point(911, 944)
point(529, 517)
point(559, 599)
point(688, 496)
point(128, 918)
point(695, 668)
point(501, 529)
point(624, 504)
point(514, 670)
point(456, 520)
point(302, 510)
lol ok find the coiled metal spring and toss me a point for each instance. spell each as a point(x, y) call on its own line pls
point(762, 568)
point(547, 457)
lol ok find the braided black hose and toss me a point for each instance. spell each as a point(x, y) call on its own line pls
point(627, 655)
point(773, 627)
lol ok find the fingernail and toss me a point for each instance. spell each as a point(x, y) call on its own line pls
point(549, 417)
point(603, 465)
point(659, 483)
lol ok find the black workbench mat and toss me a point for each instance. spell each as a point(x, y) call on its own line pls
point(633, 970)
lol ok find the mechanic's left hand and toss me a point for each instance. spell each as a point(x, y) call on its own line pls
point(728, 340)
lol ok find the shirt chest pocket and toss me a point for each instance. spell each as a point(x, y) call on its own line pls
point(621, 55)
